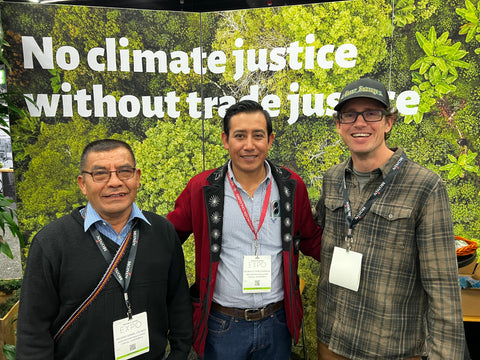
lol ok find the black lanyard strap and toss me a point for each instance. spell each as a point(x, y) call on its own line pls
point(124, 281)
point(352, 222)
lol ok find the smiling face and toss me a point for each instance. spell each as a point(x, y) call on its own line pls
point(113, 199)
point(366, 140)
point(248, 143)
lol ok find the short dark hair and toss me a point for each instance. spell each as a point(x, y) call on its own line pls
point(245, 106)
point(103, 145)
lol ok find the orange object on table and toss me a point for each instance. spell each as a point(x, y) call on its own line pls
point(468, 249)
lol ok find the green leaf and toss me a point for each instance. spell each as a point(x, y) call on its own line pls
point(418, 117)
point(424, 67)
point(454, 172)
point(462, 159)
point(424, 44)
point(416, 65)
point(4, 248)
point(447, 167)
point(472, 31)
point(466, 29)
point(471, 156)
point(435, 74)
point(408, 119)
point(471, 168)
point(470, 6)
point(9, 351)
point(443, 39)
point(443, 88)
point(432, 35)
point(461, 12)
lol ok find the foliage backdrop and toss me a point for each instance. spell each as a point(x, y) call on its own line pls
point(430, 46)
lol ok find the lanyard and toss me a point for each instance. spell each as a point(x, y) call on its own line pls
point(245, 211)
point(123, 281)
point(352, 222)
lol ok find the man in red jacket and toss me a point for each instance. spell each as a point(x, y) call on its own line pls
point(249, 218)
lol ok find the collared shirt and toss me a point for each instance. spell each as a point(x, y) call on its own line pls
point(409, 295)
point(92, 217)
point(238, 240)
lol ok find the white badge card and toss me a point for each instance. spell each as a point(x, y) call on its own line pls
point(130, 336)
point(345, 268)
point(257, 274)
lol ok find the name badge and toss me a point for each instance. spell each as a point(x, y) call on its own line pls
point(257, 274)
point(345, 268)
point(130, 336)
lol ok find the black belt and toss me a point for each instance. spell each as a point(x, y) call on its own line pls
point(249, 314)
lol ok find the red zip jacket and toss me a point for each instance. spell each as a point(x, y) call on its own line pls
point(196, 211)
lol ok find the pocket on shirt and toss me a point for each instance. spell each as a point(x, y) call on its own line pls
point(393, 224)
point(333, 203)
point(391, 212)
point(334, 214)
point(335, 223)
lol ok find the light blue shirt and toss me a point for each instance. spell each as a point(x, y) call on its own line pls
point(104, 227)
point(238, 240)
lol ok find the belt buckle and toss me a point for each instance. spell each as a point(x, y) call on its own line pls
point(247, 311)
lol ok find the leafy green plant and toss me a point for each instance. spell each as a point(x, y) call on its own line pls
point(471, 28)
point(9, 351)
point(8, 214)
point(458, 166)
point(404, 12)
point(8, 218)
point(55, 80)
point(9, 286)
point(437, 70)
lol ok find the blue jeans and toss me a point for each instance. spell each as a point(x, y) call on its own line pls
point(237, 339)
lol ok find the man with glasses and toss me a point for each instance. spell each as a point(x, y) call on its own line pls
point(388, 286)
point(108, 280)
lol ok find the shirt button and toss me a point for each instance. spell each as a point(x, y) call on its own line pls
point(390, 216)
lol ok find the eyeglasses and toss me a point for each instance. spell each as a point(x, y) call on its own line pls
point(368, 115)
point(102, 176)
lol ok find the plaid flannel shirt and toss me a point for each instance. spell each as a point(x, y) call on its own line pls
point(408, 302)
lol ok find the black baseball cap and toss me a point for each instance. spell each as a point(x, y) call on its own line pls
point(364, 87)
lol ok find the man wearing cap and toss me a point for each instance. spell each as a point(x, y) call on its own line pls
point(388, 286)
